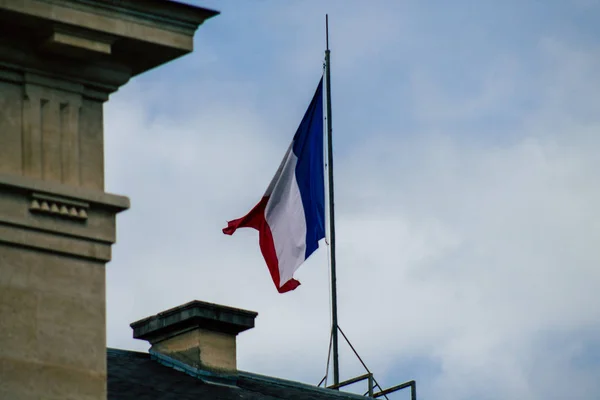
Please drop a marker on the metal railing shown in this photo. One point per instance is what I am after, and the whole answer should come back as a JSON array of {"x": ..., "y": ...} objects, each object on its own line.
[
  {"x": 382, "y": 393},
  {"x": 368, "y": 377},
  {"x": 372, "y": 382},
  {"x": 410, "y": 384}
]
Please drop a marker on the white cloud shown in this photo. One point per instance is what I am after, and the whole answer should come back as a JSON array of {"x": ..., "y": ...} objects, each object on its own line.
[{"x": 467, "y": 252}]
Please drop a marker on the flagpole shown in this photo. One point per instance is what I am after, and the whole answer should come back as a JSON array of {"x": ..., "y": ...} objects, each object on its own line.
[{"x": 334, "y": 321}]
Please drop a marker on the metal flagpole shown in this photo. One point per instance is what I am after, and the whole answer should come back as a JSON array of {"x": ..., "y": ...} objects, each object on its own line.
[
  {"x": 335, "y": 329},
  {"x": 334, "y": 321}
]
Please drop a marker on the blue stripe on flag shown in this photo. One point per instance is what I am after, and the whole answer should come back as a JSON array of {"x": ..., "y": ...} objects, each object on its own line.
[{"x": 308, "y": 147}]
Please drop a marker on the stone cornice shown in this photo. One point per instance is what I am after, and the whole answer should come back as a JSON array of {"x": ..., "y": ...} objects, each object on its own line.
[
  {"x": 131, "y": 36},
  {"x": 57, "y": 218},
  {"x": 174, "y": 15},
  {"x": 108, "y": 201},
  {"x": 165, "y": 23}
]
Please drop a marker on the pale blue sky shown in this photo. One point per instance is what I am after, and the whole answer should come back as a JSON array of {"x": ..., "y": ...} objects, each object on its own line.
[{"x": 466, "y": 141}]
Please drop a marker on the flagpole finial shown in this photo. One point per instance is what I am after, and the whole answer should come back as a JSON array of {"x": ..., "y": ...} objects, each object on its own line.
[{"x": 327, "y": 31}]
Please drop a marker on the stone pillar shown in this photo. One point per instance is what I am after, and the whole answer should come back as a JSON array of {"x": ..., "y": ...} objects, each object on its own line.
[{"x": 59, "y": 62}]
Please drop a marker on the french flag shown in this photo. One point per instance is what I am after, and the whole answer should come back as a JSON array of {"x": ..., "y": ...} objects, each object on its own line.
[{"x": 290, "y": 217}]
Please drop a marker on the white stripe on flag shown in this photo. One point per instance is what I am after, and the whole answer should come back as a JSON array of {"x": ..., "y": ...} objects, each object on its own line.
[{"x": 285, "y": 215}]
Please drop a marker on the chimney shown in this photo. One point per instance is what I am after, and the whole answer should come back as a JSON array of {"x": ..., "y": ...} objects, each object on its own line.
[{"x": 198, "y": 337}]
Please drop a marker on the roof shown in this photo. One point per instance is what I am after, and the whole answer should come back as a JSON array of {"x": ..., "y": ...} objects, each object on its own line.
[{"x": 134, "y": 375}]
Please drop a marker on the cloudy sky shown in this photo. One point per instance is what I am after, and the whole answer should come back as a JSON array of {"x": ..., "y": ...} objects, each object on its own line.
[{"x": 467, "y": 170}]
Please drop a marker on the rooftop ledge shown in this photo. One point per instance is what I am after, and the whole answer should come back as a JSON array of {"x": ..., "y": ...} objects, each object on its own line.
[
  {"x": 137, "y": 35},
  {"x": 31, "y": 185}
]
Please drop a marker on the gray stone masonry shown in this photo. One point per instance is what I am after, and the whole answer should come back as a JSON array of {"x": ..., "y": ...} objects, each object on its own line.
[{"x": 59, "y": 62}]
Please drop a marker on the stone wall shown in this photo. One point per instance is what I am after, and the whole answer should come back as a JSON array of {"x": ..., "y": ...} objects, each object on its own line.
[{"x": 59, "y": 62}]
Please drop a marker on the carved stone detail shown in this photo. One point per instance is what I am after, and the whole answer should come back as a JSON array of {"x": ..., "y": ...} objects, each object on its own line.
[
  {"x": 59, "y": 207},
  {"x": 51, "y": 134}
]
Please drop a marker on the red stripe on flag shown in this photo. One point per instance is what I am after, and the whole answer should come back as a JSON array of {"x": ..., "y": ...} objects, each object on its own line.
[{"x": 256, "y": 219}]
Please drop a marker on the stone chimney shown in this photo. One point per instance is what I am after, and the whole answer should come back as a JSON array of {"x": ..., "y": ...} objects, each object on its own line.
[{"x": 198, "y": 334}]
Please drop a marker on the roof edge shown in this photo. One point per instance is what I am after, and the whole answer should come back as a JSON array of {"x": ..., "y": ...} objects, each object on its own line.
[
  {"x": 228, "y": 380},
  {"x": 205, "y": 376},
  {"x": 295, "y": 384}
]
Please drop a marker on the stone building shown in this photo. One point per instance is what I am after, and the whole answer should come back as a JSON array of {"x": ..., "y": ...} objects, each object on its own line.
[{"x": 59, "y": 62}]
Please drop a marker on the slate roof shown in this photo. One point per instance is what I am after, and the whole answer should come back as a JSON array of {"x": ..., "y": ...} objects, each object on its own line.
[{"x": 134, "y": 375}]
